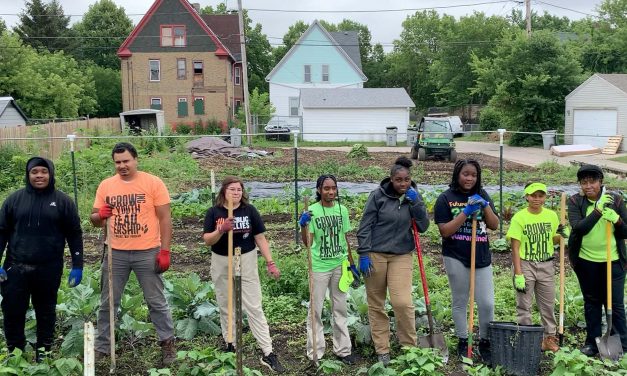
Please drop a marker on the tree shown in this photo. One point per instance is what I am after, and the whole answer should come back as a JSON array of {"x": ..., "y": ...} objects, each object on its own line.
[
  {"x": 614, "y": 12},
  {"x": 101, "y": 31},
  {"x": 108, "y": 86},
  {"x": 376, "y": 67},
  {"x": 44, "y": 26},
  {"x": 527, "y": 79},
  {"x": 259, "y": 105},
  {"x": 3, "y": 26},
  {"x": 546, "y": 21}
]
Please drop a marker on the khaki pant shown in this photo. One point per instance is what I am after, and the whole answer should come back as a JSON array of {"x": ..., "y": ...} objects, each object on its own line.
[
  {"x": 341, "y": 339},
  {"x": 540, "y": 280},
  {"x": 391, "y": 273},
  {"x": 251, "y": 297}
]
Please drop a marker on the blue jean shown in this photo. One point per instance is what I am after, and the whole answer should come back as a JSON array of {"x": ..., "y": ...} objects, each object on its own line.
[{"x": 143, "y": 264}]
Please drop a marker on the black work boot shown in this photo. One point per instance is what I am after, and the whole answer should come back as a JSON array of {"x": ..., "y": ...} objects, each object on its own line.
[
  {"x": 462, "y": 348},
  {"x": 485, "y": 351},
  {"x": 168, "y": 352},
  {"x": 41, "y": 353}
]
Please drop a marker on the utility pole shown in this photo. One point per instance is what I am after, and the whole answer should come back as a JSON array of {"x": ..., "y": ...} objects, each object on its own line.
[
  {"x": 528, "y": 15},
  {"x": 242, "y": 41}
]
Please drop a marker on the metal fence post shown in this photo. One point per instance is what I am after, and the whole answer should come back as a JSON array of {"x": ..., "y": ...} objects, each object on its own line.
[
  {"x": 295, "y": 132},
  {"x": 501, "y": 133}
]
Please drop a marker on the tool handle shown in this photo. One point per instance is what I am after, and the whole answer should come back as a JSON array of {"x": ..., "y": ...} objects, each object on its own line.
[
  {"x": 473, "y": 252},
  {"x": 110, "y": 295},
  {"x": 423, "y": 277},
  {"x": 229, "y": 277},
  {"x": 312, "y": 308},
  {"x": 608, "y": 249},
  {"x": 562, "y": 272}
]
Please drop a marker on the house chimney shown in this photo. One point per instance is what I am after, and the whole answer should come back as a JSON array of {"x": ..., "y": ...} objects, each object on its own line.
[{"x": 197, "y": 7}]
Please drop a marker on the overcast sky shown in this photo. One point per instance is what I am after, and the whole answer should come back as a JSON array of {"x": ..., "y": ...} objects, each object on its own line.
[{"x": 385, "y": 26}]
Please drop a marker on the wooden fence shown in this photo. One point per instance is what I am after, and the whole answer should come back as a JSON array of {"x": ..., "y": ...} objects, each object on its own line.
[{"x": 50, "y": 140}]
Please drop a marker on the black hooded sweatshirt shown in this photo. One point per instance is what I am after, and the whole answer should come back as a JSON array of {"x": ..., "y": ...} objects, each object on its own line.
[{"x": 36, "y": 223}]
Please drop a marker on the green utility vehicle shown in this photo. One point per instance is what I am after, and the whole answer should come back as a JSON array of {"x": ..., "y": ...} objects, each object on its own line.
[{"x": 435, "y": 139}]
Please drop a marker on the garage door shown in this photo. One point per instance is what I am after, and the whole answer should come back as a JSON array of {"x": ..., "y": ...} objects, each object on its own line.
[{"x": 590, "y": 123}]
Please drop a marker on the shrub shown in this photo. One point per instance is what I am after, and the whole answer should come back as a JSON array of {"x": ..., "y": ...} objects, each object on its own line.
[
  {"x": 198, "y": 127},
  {"x": 490, "y": 119}
]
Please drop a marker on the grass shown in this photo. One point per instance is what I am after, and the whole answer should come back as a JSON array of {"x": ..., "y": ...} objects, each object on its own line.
[{"x": 622, "y": 159}]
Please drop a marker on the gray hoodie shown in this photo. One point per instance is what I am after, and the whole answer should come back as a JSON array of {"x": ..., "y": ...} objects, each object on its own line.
[{"x": 386, "y": 222}]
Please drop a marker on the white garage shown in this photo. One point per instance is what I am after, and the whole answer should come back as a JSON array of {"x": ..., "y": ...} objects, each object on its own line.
[
  {"x": 597, "y": 110},
  {"x": 354, "y": 114}
]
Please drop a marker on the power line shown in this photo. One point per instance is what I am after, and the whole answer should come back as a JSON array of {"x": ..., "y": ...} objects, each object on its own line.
[{"x": 569, "y": 9}]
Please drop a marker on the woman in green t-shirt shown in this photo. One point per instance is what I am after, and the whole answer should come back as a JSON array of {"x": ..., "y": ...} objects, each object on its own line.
[
  {"x": 532, "y": 233},
  {"x": 588, "y": 212}
]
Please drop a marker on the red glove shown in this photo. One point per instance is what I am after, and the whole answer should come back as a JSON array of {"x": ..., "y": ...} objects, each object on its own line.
[
  {"x": 162, "y": 262},
  {"x": 226, "y": 225},
  {"x": 105, "y": 212},
  {"x": 273, "y": 270}
]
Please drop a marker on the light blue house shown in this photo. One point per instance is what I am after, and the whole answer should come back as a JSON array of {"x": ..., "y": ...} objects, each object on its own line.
[
  {"x": 11, "y": 115},
  {"x": 319, "y": 59}
]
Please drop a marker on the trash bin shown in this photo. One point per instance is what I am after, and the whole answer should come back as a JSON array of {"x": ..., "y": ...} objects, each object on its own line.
[
  {"x": 390, "y": 136},
  {"x": 548, "y": 138},
  {"x": 236, "y": 137},
  {"x": 412, "y": 136},
  {"x": 517, "y": 348}
]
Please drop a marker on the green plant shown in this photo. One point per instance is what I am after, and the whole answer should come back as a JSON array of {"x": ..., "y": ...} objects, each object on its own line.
[
  {"x": 377, "y": 369},
  {"x": 213, "y": 126},
  {"x": 207, "y": 361},
  {"x": 359, "y": 151},
  {"x": 481, "y": 369},
  {"x": 182, "y": 128},
  {"x": 499, "y": 245},
  {"x": 567, "y": 362},
  {"x": 199, "y": 128},
  {"x": 330, "y": 366},
  {"x": 416, "y": 361},
  {"x": 16, "y": 364}
]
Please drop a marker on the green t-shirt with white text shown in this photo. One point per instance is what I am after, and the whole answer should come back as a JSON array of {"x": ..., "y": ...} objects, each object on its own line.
[
  {"x": 535, "y": 233},
  {"x": 328, "y": 227},
  {"x": 593, "y": 243}
]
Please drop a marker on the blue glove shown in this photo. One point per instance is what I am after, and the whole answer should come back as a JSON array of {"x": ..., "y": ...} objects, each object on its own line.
[
  {"x": 3, "y": 275},
  {"x": 356, "y": 279},
  {"x": 76, "y": 275},
  {"x": 304, "y": 219},
  {"x": 411, "y": 195},
  {"x": 469, "y": 210},
  {"x": 365, "y": 265},
  {"x": 477, "y": 199}
]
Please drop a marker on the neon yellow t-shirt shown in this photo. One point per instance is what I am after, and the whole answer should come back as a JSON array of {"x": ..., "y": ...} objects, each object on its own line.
[
  {"x": 535, "y": 233},
  {"x": 328, "y": 227},
  {"x": 593, "y": 243}
]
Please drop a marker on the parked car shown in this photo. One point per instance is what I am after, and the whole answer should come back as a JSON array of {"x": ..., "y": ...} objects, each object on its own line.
[{"x": 277, "y": 129}]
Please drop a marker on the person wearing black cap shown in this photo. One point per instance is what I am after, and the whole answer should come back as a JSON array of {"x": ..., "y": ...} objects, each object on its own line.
[
  {"x": 35, "y": 224},
  {"x": 588, "y": 213}
]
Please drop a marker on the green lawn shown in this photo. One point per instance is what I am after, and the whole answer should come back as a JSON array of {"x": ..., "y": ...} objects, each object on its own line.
[{"x": 622, "y": 159}]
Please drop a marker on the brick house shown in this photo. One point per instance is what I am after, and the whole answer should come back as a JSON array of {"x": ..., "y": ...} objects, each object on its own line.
[{"x": 175, "y": 61}]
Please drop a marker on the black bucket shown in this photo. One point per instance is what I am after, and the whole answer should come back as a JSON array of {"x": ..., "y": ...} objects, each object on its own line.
[{"x": 517, "y": 348}]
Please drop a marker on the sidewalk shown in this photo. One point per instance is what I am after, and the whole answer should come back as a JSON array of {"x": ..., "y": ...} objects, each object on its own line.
[{"x": 529, "y": 156}]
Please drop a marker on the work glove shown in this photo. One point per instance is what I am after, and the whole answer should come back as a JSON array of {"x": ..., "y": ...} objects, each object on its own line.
[
  {"x": 610, "y": 214},
  {"x": 76, "y": 275},
  {"x": 273, "y": 270},
  {"x": 519, "y": 283},
  {"x": 603, "y": 202},
  {"x": 3, "y": 275},
  {"x": 477, "y": 199},
  {"x": 563, "y": 231},
  {"x": 304, "y": 219},
  {"x": 411, "y": 195},
  {"x": 162, "y": 262},
  {"x": 365, "y": 265},
  {"x": 105, "y": 212},
  {"x": 226, "y": 226},
  {"x": 470, "y": 209},
  {"x": 356, "y": 279}
]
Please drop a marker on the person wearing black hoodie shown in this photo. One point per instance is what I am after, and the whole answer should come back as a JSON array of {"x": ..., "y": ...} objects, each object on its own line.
[
  {"x": 35, "y": 224},
  {"x": 385, "y": 251}
]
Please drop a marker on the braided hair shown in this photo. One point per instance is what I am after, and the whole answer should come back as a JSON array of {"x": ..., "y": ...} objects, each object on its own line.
[
  {"x": 319, "y": 184},
  {"x": 458, "y": 169}
]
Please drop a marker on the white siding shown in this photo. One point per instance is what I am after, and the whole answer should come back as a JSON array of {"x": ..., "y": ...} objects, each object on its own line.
[
  {"x": 11, "y": 118},
  {"x": 280, "y": 94},
  {"x": 353, "y": 124},
  {"x": 596, "y": 94}
]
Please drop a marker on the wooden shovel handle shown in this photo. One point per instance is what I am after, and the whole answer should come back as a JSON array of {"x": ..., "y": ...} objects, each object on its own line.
[
  {"x": 312, "y": 308},
  {"x": 562, "y": 272},
  {"x": 110, "y": 294},
  {"x": 229, "y": 277},
  {"x": 473, "y": 253},
  {"x": 608, "y": 251}
]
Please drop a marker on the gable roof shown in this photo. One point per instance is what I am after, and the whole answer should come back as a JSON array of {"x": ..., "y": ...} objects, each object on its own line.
[
  {"x": 617, "y": 80},
  {"x": 349, "y": 42},
  {"x": 123, "y": 51},
  {"x": 6, "y": 101},
  {"x": 355, "y": 98},
  {"x": 226, "y": 28},
  {"x": 334, "y": 43}
]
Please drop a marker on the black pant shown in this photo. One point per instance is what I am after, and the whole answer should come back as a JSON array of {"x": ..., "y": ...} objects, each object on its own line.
[
  {"x": 592, "y": 277},
  {"x": 39, "y": 282}
]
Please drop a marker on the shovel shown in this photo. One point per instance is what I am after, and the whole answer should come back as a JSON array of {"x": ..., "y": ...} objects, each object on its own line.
[
  {"x": 562, "y": 246},
  {"x": 432, "y": 340},
  {"x": 609, "y": 346},
  {"x": 312, "y": 308},
  {"x": 473, "y": 253},
  {"x": 111, "y": 302}
]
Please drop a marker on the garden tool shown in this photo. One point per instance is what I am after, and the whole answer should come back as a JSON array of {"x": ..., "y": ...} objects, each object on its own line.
[
  {"x": 111, "y": 303},
  {"x": 473, "y": 252},
  {"x": 560, "y": 330},
  {"x": 238, "y": 312},
  {"x": 432, "y": 340},
  {"x": 609, "y": 346},
  {"x": 229, "y": 278},
  {"x": 312, "y": 308}
]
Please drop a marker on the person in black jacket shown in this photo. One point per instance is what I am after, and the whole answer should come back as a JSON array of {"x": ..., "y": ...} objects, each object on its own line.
[
  {"x": 588, "y": 212},
  {"x": 35, "y": 223}
]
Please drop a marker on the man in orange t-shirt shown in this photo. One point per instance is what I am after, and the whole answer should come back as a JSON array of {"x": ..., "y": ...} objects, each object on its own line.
[{"x": 137, "y": 207}]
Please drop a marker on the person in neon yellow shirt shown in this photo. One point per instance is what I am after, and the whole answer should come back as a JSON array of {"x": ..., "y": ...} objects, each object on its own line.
[{"x": 532, "y": 233}]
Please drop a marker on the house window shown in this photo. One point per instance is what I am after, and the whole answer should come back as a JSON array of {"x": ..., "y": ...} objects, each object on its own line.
[
  {"x": 182, "y": 107},
  {"x": 237, "y": 75},
  {"x": 181, "y": 70},
  {"x": 173, "y": 36},
  {"x": 155, "y": 103},
  {"x": 307, "y": 73},
  {"x": 197, "y": 67},
  {"x": 325, "y": 73},
  {"x": 293, "y": 106},
  {"x": 199, "y": 105},
  {"x": 238, "y": 104},
  {"x": 199, "y": 79},
  {"x": 155, "y": 70}
]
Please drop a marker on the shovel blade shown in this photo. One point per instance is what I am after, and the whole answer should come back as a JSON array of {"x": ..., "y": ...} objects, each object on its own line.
[
  {"x": 435, "y": 341},
  {"x": 610, "y": 347}
]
